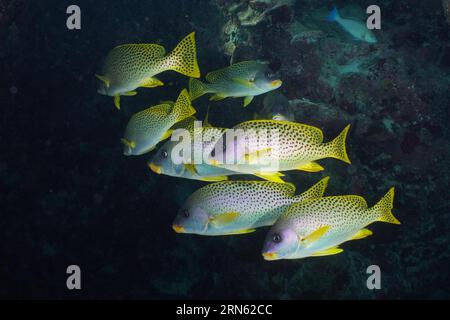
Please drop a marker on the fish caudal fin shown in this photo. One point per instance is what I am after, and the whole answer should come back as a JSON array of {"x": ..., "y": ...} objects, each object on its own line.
[
  {"x": 183, "y": 108},
  {"x": 316, "y": 191},
  {"x": 183, "y": 58},
  {"x": 334, "y": 15},
  {"x": 383, "y": 208},
  {"x": 337, "y": 148},
  {"x": 196, "y": 88}
]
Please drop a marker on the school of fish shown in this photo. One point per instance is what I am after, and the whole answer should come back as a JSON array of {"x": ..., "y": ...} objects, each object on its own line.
[{"x": 309, "y": 224}]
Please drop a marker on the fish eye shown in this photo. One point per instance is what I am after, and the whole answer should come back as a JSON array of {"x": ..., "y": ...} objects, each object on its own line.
[
  {"x": 213, "y": 152},
  {"x": 185, "y": 213},
  {"x": 164, "y": 154},
  {"x": 276, "y": 238}
]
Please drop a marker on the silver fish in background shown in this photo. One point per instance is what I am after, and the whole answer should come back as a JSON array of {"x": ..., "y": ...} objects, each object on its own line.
[
  {"x": 237, "y": 207},
  {"x": 317, "y": 227},
  {"x": 356, "y": 28},
  {"x": 243, "y": 79},
  {"x": 276, "y": 107}
]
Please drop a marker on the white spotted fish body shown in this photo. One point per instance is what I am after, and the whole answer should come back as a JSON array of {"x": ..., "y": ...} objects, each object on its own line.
[
  {"x": 150, "y": 126},
  {"x": 131, "y": 66},
  {"x": 317, "y": 227},
  {"x": 295, "y": 146},
  {"x": 236, "y": 207}
]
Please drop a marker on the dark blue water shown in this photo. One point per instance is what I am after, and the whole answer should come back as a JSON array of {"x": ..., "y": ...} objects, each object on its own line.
[{"x": 69, "y": 196}]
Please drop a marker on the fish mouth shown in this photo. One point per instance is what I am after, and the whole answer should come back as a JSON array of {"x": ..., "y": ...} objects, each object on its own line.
[
  {"x": 270, "y": 256},
  {"x": 276, "y": 83},
  {"x": 155, "y": 168},
  {"x": 177, "y": 228}
]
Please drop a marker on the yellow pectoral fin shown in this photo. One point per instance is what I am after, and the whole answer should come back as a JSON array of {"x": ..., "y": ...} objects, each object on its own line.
[
  {"x": 271, "y": 176},
  {"x": 362, "y": 234},
  {"x": 311, "y": 167},
  {"x": 104, "y": 79},
  {"x": 327, "y": 252},
  {"x": 217, "y": 97},
  {"x": 253, "y": 156},
  {"x": 214, "y": 179},
  {"x": 244, "y": 82},
  {"x": 247, "y": 100},
  {"x": 129, "y": 93},
  {"x": 166, "y": 134},
  {"x": 128, "y": 143},
  {"x": 151, "y": 83},
  {"x": 117, "y": 102},
  {"x": 191, "y": 168},
  {"x": 240, "y": 232},
  {"x": 316, "y": 235},
  {"x": 224, "y": 218}
]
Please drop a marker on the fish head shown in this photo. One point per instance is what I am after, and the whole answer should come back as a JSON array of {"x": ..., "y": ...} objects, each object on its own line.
[
  {"x": 280, "y": 243},
  {"x": 161, "y": 162},
  {"x": 191, "y": 218},
  {"x": 266, "y": 80}
]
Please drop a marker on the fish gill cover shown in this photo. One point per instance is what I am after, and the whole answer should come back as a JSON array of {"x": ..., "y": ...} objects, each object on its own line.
[{"x": 70, "y": 196}]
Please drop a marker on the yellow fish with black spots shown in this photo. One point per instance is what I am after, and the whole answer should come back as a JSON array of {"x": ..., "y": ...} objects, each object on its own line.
[
  {"x": 269, "y": 146},
  {"x": 317, "y": 227},
  {"x": 130, "y": 66},
  {"x": 152, "y": 125},
  {"x": 243, "y": 79},
  {"x": 237, "y": 207}
]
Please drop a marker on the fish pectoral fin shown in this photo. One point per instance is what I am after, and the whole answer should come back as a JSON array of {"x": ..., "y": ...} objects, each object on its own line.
[
  {"x": 128, "y": 143},
  {"x": 214, "y": 179},
  {"x": 255, "y": 155},
  {"x": 311, "y": 167},
  {"x": 315, "y": 235},
  {"x": 166, "y": 134},
  {"x": 271, "y": 176},
  {"x": 224, "y": 218},
  {"x": 362, "y": 234},
  {"x": 217, "y": 97},
  {"x": 104, "y": 79},
  {"x": 244, "y": 82},
  {"x": 247, "y": 100},
  {"x": 240, "y": 232},
  {"x": 151, "y": 83},
  {"x": 117, "y": 101},
  {"x": 129, "y": 93},
  {"x": 191, "y": 168},
  {"x": 327, "y": 252}
]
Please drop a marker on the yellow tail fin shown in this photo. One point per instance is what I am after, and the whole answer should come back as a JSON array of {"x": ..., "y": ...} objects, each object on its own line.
[
  {"x": 196, "y": 88},
  {"x": 337, "y": 148},
  {"x": 316, "y": 191},
  {"x": 383, "y": 208},
  {"x": 183, "y": 108},
  {"x": 183, "y": 58}
]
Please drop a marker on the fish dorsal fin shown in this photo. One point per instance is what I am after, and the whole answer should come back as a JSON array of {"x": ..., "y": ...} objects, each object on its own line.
[
  {"x": 149, "y": 50},
  {"x": 224, "y": 218},
  {"x": 356, "y": 200},
  {"x": 245, "y": 231},
  {"x": 239, "y": 69},
  {"x": 315, "y": 235}
]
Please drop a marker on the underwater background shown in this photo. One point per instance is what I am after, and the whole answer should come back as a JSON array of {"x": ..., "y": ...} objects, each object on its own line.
[{"x": 69, "y": 196}]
